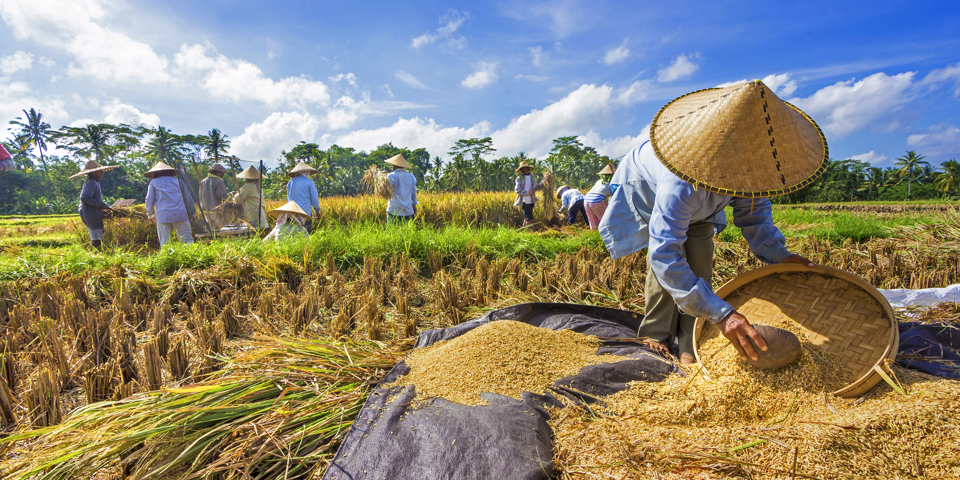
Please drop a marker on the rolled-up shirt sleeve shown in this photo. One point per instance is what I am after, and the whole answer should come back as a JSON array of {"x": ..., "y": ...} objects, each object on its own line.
[
  {"x": 669, "y": 222},
  {"x": 756, "y": 222},
  {"x": 151, "y": 201}
]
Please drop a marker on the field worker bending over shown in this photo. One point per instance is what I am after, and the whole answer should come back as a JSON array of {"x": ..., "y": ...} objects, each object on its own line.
[
  {"x": 251, "y": 198},
  {"x": 91, "y": 205},
  {"x": 168, "y": 203},
  {"x": 302, "y": 190},
  {"x": 526, "y": 188},
  {"x": 403, "y": 204},
  {"x": 595, "y": 202},
  {"x": 571, "y": 200},
  {"x": 213, "y": 191},
  {"x": 709, "y": 149},
  {"x": 290, "y": 222}
]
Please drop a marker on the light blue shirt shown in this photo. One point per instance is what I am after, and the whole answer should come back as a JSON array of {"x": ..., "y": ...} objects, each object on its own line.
[
  {"x": 303, "y": 191},
  {"x": 168, "y": 201},
  {"x": 651, "y": 207},
  {"x": 569, "y": 197},
  {"x": 404, "y": 193}
]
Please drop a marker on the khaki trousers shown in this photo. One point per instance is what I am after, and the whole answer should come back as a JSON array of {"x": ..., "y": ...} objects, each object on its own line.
[{"x": 662, "y": 320}]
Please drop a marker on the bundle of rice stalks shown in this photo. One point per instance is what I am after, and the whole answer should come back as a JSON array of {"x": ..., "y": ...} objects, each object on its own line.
[
  {"x": 548, "y": 186},
  {"x": 278, "y": 411},
  {"x": 137, "y": 211},
  {"x": 229, "y": 213},
  {"x": 375, "y": 181}
]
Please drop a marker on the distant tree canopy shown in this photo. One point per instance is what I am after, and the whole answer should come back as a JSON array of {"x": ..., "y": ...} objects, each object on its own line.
[{"x": 40, "y": 184}]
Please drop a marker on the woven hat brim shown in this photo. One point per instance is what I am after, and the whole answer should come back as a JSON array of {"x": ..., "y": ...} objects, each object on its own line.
[
  {"x": 522, "y": 166},
  {"x": 159, "y": 167},
  {"x": 764, "y": 168},
  {"x": 289, "y": 207},
  {"x": 398, "y": 160},
  {"x": 301, "y": 168},
  {"x": 608, "y": 170},
  {"x": 105, "y": 168},
  {"x": 249, "y": 173}
]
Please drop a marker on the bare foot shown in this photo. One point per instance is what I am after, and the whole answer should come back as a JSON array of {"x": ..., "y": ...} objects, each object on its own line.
[
  {"x": 687, "y": 359},
  {"x": 658, "y": 347}
]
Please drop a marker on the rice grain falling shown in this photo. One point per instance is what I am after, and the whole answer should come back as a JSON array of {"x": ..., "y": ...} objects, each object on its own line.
[{"x": 503, "y": 357}]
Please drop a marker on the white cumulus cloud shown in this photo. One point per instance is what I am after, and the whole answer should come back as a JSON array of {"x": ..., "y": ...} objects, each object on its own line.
[
  {"x": 871, "y": 157},
  {"x": 949, "y": 74},
  {"x": 20, "y": 60},
  {"x": 73, "y": 26},
  {"x": 615, "y": 147},
  {"x": 411, "y": 133},
  {"x": 617, "y": 55},
  {"x": 939, "y": 140},
  {"x": 485, "y": 74},
  {"x": 681, "y": 67},
  {"x": 281, "y": 130},
  {"x": 781, "y": 84},
  {"x": 117, "y": 112},
  {"x": 15, "y": 97}
]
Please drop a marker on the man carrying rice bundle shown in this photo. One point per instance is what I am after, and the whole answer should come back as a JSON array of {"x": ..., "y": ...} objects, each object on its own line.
[
  {"x": 213, "y": 192},
  {"x": 91, "y": 205},
  {"x": 402, "y": 205},
  {"x": 526, "y": 188},
  {"x": 303, "y": 191},
  {"x": 169, "y": 203},
  {"x": 709, "y": 149}
]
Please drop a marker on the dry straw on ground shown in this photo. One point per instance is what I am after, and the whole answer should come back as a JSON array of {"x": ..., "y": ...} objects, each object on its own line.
[{"x": 502, "y": 357}]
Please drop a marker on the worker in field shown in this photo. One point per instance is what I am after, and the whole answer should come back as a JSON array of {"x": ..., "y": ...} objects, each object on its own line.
[
  {"x": 251, "y": 198},
  {"x": 595, "y": 201},
  {"x": 402, "y": 206},
  {"x": 169, "y": 203},
  {"x": 526, "y": 186},
  {"x": 91, "y": 205},
  {"x": 303, "y": 191},
  {"x": 213, "y": 192},
  {"x": 733, "y": 146},
  {"x": 571, "y": 200},
  {"x": 291, "y": 222}
]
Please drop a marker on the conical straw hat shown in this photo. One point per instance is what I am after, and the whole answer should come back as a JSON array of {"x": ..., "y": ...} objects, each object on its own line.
[
  {"x": 250, "y": 173},
  {"x": 523, "y": 164},
  {"x": 562, "y": 189},
  {"x": 93, "y": 166},
  {"x": 159, "y": 167},
  {"x": 608, "y": 170},
  {"x": 302, "y": 167},
  {"x": 398, "y": 160},
  {"x": 289, "y": 207},
  {"x": 741, "y": 141}
]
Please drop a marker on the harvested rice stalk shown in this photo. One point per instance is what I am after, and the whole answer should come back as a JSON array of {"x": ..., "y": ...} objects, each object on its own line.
[
  {"x": 503, "y": 357},
  {"x": 548, "y": 186},
  {"x": 278, "y": 411},
  {"x": 375, "y": 181}
]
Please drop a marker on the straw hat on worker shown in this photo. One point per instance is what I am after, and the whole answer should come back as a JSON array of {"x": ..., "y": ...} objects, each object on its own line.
[
  {"x": 398, "y": 161},
  {"x": 522, "y": 165},
  {"x": 158, "y": 168},
  {"x": 608, "y": 170},
  {"x": 290, "y": 222},
  {"x": 92, "y": 167},
  {"x": 251, "y": 173},
  {"x": 733, "y": 146},
  {"x": 301, "y": 169}
]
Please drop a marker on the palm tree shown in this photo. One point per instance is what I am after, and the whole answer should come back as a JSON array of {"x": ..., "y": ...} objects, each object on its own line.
[
  {"x": 909, "y": 164},
  {"x": 164, "y": 146},
  {"x": 34, "y": 132},
  {"x": 949, "y": 179},
  {"x": 217, "y": 144},
  {"x": 92, "y": 140}
]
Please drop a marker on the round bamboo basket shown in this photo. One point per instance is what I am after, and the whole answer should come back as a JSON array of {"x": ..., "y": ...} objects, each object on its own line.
[{"x": 836, "y": 310}]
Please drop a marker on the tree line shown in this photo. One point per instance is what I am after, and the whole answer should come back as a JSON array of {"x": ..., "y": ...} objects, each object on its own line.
[{"x": 40, "y": 184}]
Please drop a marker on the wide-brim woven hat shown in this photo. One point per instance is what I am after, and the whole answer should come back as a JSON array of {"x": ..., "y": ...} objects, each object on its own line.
[
  {"x": 289, "y": 208},
  {"x": 250, "y": 173},
  {"x": 523, "y": 165},
  {"x": 742, "y": 141},
  {"x": 838, "y": 312},
  {"x": 608, "y": 170},
  {"x": 217, "y": 168},
  {"x": 561, "y": 190},
  {"x": 398, "y": 160},
  {"x": 93, "y": 166},
  {"x": 159, "y": 167},
  {"x": 302, "y": 167}
]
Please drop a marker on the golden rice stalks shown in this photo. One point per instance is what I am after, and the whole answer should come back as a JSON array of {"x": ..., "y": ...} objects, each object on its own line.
[
  {"x": 375, "y": 181},
  {"x": 548, "y": 186}
]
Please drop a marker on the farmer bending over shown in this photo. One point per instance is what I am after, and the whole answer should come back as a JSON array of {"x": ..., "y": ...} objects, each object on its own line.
[
  {"x": 709, "y": 149},
  {"x": 572, "y": 201}
]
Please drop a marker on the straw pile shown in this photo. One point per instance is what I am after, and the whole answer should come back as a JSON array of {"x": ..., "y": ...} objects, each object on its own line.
[
  {"x": 502, "y": 357},
  {"x": 375, "y": 181},
  {"x": 778, "y": 424}
]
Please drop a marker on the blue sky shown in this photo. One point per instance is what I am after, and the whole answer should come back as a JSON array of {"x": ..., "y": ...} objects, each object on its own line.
[{"x": 880, "y": 77}]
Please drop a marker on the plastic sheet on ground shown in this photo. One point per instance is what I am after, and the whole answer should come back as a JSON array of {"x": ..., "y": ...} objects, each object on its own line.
[
  {"x": 507, "y": 439},
  {"x": 932, "y": 348},
  {"x": 927, "y": 297}
]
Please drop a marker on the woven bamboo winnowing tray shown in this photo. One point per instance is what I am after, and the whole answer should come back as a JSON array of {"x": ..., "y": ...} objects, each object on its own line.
[{"x": 839, "y": 311}]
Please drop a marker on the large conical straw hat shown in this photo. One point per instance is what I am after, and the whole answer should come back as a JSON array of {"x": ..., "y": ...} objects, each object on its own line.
[
  {"x": 522, "y": 165},
  {"x": 608, "y": 170},
  {"x": 250, "y": 173},
  {"x": 93, "y": 166},
  {"x": 159, "y": 167},
  {"x": 302, "y": 167},
  {"x": 741, "y": 141},
  {"x": 290, "y": 207},
  {"x": 398, "y": 160}
]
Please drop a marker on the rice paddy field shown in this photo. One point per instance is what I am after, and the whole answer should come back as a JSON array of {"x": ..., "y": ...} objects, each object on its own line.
[{"x": 231, "y": 358}]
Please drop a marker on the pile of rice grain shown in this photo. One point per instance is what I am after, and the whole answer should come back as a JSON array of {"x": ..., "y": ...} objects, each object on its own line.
[{"x": 503, "y": 357}]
